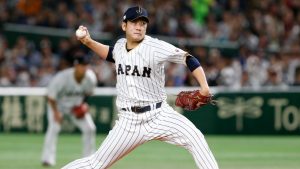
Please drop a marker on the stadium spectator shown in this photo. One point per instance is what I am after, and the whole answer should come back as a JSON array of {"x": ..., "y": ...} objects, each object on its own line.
[
  {"x": 259, "y": 28},
  {"x": 297, "y": 77}
]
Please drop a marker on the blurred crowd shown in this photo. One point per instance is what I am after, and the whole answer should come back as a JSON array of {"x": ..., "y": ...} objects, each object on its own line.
[{"x": 267, "y": 33}]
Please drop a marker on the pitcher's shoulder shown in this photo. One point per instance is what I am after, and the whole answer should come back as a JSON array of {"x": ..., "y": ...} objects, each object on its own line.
[
  {"x": 121, "y": 41},
  {"x": 155, "y": 42},
  {"x": 152, "y": 40}
]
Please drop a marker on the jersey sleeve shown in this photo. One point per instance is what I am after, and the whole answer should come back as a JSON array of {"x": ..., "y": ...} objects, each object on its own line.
[
  {"x": 168, "y": 52},
  {"x": 55, "y": 86}
]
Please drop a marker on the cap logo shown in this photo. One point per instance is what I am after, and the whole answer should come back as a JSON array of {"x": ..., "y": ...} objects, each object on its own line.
[{"x": 139, "y": 11}]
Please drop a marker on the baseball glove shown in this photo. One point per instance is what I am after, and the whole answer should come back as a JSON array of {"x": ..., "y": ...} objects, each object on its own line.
[
  {"x": 193, "y": 100},
  {"x": 80, "y": 110}
]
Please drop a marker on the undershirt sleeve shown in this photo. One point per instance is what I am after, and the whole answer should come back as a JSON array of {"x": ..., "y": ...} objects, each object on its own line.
[{"x": 109, "y": 57}]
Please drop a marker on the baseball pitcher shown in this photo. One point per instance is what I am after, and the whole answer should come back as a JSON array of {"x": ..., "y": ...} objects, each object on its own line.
[
  {"x": 144, "y": 114},
  {"x": 66, "y": 96}
]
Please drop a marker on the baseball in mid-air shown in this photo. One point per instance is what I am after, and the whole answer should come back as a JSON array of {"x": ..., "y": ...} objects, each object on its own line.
[{"x": 80, "y": 33}]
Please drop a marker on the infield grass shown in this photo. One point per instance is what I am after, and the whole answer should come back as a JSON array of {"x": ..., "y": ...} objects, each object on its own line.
[{"x": 23, "y": 151}]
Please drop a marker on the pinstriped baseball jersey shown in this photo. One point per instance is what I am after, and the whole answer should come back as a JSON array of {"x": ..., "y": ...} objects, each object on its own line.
[
  {"x": 140, "y": 72},
  {"x": 144, "y": 114}
]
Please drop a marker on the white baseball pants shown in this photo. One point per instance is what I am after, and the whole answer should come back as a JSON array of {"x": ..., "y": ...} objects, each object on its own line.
[
  {"x": 132, "y": 130},
  {"x": 85, "y": 125}
]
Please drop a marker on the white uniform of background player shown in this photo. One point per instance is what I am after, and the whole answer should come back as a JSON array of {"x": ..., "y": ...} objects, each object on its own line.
[
  {"x": 64, "y": 91},
  {"x": 144, "y": 114}
]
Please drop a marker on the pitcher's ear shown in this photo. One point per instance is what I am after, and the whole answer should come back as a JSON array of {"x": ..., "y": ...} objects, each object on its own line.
[{"x": 124, "y": 24}]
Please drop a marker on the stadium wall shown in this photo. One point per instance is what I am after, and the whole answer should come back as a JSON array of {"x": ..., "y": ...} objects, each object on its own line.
[{"x": 273, "y": 111}]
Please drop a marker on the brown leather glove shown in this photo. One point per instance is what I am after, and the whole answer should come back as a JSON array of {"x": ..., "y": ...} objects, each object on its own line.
[{"x": 193, "y": 100}]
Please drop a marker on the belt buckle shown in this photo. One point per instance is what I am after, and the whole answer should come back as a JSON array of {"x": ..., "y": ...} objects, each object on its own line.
[{"x": 134, "y": 109}]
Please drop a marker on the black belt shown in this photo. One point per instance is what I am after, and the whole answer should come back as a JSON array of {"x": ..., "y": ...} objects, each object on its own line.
[{"x": 138, "y": 109}]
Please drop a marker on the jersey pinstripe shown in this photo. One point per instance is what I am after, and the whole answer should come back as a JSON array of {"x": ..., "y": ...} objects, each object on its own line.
[{"x": 140, "y": 72}]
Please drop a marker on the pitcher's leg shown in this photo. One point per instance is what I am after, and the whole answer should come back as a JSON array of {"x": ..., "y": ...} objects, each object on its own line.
[
  {"x": 117, "y": 144},
  {"x": 183, "y": 132},
  {"x": 88, "y": 129}
]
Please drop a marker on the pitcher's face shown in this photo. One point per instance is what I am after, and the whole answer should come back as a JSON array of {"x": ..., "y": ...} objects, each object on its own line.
[{"x": 135, "y": 30}]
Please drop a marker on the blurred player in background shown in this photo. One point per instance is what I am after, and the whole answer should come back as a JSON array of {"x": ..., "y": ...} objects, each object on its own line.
[
  {"x": 144, "y": 114},
  {"x": 67, "y": 94}
]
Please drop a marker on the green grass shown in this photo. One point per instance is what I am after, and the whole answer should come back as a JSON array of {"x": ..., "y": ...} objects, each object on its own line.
[{"x": 22, "y": 151}]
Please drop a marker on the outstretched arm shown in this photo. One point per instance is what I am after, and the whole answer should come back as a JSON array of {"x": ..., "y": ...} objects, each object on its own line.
[
  {"x": 193, "y": 100},
  {"x": 99, "y": 48},
  {"x": 198, "y": 72}
]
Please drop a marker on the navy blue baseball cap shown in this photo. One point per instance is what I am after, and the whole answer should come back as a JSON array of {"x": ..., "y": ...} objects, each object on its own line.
[{"x": 134, "y": 13}]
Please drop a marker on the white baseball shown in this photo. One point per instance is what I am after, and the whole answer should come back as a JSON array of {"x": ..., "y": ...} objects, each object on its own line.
[{"x": 80, "y": 33}]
